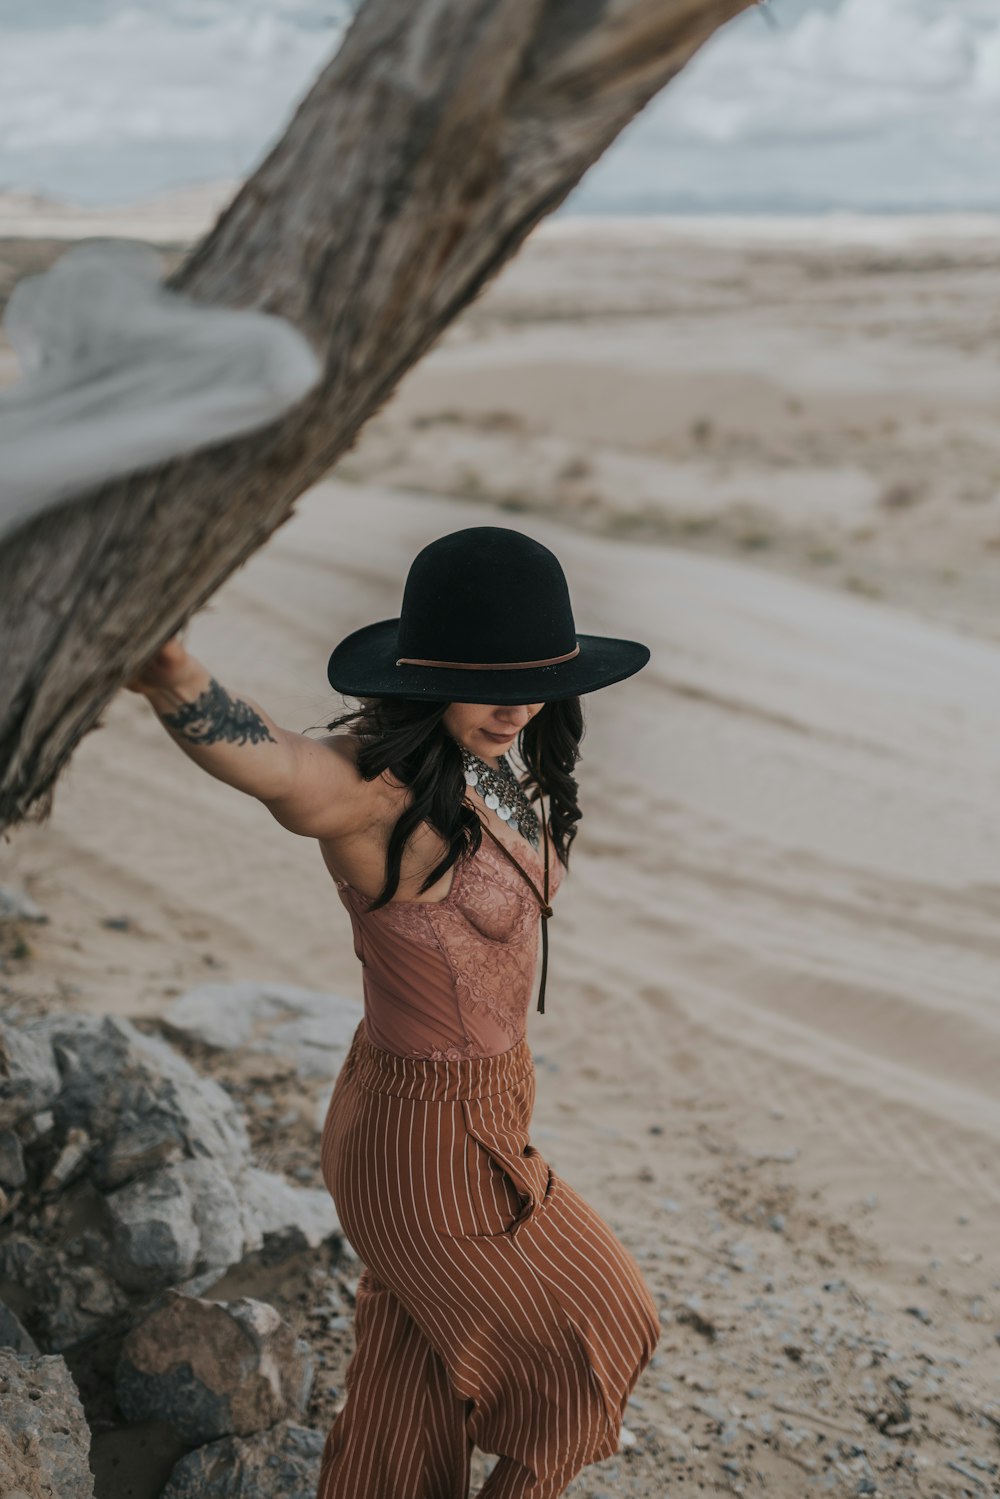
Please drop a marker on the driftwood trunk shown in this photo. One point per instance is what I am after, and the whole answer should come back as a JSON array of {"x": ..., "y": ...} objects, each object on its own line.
[{"x": 435, "y": 140}]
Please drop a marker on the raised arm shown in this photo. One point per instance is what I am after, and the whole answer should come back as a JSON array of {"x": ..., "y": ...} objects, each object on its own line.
[{"x": 305, "y": 783}]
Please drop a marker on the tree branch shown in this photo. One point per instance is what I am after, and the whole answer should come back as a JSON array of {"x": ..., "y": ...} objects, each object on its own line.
[{"x": 436, "y": 139}]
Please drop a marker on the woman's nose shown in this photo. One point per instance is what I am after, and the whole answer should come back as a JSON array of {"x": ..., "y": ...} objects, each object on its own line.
[{"x": 515, "y": 717}]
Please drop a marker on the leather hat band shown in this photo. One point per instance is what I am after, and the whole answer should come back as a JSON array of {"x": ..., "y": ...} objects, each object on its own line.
[{"x": 490, "y": 665}]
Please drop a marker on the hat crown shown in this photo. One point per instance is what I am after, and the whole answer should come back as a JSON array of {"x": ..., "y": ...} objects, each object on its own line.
[{"x": 486, "y": 594}]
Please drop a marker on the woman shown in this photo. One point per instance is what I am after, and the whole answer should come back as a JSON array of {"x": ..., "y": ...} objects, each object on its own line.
[{"x": 496, "y": 1308}]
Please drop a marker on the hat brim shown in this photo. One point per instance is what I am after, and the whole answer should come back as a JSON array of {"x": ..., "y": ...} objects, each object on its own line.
[{"x": 364, "y": 665}]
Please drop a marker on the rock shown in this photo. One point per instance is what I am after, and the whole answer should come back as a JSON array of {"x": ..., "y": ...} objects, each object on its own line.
[
  {"x": 213, "y": 1369},
  {"x": 17, "y": 905},
  {"x": 284, "y": 1461},
  {"x": 44, "y": 1439},
  {"x": 218, "y": 1214},
  {"x": 34, "y": 1127},
  {"x": 133, "y": 1152},
  {"x": 77, "y": 1300},
  {"x": 12, "y": 1172},
  {"x": 69, "y": 1162},
  {"x": 68, "y": 1301},
  {"x": 115, "y": 1080},
  {"x": 29, "y": 1077},
  {"x": 13, "y": 1335},
  {"x": 282, "y": 1219},
  {"x": 155, "y": 1239},
  {"x": 21, "y": 1261},
  {"x": 312, "y": 1028}
]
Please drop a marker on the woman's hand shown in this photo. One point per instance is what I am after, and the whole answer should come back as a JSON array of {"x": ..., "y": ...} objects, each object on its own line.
[{"x": 166, "y": 669}]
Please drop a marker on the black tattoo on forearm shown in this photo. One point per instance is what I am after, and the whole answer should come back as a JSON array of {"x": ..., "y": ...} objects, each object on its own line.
[{"x": 215, "y": 715}]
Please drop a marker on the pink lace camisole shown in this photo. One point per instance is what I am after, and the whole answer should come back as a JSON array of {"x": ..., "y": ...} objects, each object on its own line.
[{"x": 453, "y": 978}]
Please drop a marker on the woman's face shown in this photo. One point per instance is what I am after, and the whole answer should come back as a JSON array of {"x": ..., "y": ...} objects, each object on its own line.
[{"x": 488, "y": 730}]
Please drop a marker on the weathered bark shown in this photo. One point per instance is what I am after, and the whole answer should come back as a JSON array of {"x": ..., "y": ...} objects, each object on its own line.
[{"x": 439, "y": 135}]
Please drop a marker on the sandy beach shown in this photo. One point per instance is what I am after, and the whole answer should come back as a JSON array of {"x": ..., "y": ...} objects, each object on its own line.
[{"x": 770, "y": 1054}]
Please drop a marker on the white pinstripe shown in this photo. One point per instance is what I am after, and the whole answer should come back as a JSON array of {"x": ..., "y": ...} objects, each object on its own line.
[{"x": 539, "y": 1318}]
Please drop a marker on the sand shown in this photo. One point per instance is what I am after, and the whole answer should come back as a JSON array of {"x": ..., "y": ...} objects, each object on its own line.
[{"x": 771, "y": 1048}]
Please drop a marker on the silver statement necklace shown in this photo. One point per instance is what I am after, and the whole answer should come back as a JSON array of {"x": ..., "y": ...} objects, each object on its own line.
[{"x": 503, "y": 793}]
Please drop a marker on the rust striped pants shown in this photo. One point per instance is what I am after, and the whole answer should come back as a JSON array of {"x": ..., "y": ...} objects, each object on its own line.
[{"x": 496, "y": 1309}]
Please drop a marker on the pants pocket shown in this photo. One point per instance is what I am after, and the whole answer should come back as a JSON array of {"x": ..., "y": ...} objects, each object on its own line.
[{"x": 508, "y": 1176}]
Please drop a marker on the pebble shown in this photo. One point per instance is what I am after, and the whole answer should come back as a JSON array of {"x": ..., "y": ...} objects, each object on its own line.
[
  {"x": 17, "y": 905},
  {"x": 919, "y": 1313},
  {"x": 72, "y": 1156},
  {"x": 677, "y": 1442}
]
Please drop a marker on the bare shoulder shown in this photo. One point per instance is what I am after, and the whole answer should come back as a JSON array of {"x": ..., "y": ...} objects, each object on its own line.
[{"x": 327, "y": 797}]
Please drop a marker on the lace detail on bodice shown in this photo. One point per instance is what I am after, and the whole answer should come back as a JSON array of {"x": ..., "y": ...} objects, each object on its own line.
[
  {"x": 486, "y": 927},
  {"x": 490, "y": 939}
]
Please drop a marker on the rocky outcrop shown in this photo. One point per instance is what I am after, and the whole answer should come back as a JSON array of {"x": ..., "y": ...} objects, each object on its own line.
[
  {"x": 133, "y": 1173},
  {"x": 44, "y": 1440},
  {"x": 127, "y": 1189},
  {"x": 213, "y": 1369},
  {"x": 122, "y": 1086},
  {"x": 282, "y": 1219},
  {"x": 309, "y": 1027},
  {"x": 284, "y": 1460}
]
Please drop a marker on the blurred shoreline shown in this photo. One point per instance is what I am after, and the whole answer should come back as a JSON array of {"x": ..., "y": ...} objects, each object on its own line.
[{"x": 181, "y": 214}]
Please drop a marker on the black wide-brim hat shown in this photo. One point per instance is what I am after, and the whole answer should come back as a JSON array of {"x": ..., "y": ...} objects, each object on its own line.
[{"x": 486, "y": 618}]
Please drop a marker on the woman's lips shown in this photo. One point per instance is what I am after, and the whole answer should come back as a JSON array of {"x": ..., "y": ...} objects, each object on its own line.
[{"x": 500, "y": 738}]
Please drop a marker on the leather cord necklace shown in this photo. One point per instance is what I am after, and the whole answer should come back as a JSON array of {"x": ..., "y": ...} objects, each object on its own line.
[{"x": 543, "y": 900}]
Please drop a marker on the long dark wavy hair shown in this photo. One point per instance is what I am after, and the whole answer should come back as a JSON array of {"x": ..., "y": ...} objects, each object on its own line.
[{"x": 407, "y": 737}]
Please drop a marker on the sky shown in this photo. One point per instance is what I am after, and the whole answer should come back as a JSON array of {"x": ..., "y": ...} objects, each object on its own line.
[{"x": 802, "y": 106}]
